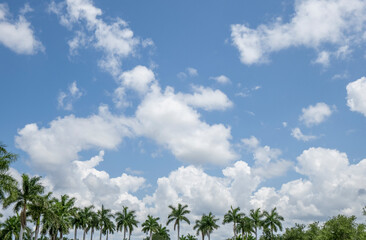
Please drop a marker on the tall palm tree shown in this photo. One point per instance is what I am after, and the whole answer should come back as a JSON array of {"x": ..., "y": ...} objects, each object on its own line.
[
  {"x": 10, "y": 228},
  {"x": 7, "y": 183},
  {"x": 93, "y": 224},
  {"x": 273, "y": 221},
  {"x": 256, "y": 217},
  {"x": 177, "y": 215},
  {"x": 104, "y": 216},
  {"x": 76, "y": 221},
  {"x": 210, "y": 224},
  {"x": 132, "y": 222},
  {"x": 30, "y": 189},
  {"x": 233, "y": 215},
  {"x": 37, "y": 209},
  {"x": 108, "y": 227},
  {"x": 245, "y": 224},
  {"x": 150, "y": 225},
  {"x": 200, "y": 227},
  {"x": 64, "y": 208},
  {"x": 85, "y": 217},
  {"x": 126, "y": 220},
  {"x": 162, "y": 232}
]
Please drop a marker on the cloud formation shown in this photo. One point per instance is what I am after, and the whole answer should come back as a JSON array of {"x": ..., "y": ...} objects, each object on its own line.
[
  {"x": 356, "y": 95},
  {"x": 296, "y": 133},
  {"x": 314, "y": 115},
  {"x": 317, "y": 24},
  {"x": 18, "y": 35}
]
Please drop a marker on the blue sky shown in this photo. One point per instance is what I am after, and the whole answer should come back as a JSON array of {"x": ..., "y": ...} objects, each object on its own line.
[{"x": 152, "y": 103}]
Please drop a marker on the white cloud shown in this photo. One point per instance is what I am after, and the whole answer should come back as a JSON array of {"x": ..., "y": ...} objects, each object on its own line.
[
  {"x": 115, "y": 40},
  {"x": 192, "y": 72},
  {"x": 356, "y": 95},
  {"x": 314, "y": 115},
  {"x": 206, "y": 98},
  {"x": 66, "y": 100},
  {"x": 267, "y": 162},
  {"x": 221, "y": 79},
  {"x": 314, "y": 24},
  {"x": 138, "y": 79},
  {"x": 167, "y": 118},
  {"x": 18, "y": 35},
  {"x": 323, "y": 58},
  {"x": 296, "y": 133}
]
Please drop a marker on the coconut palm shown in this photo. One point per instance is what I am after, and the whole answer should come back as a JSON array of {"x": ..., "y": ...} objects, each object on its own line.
[
  {"x": 177, "y": 215},
  {"x": 150, "y": 225},
  {"x": 10, "y": 228},
  {"x": 273, "y": 221},
  {"x": 233, "y": 215},
  {"x": 210, "y": 224},
  {"x": 76, "y": 221},
  {"x": 104, "y": 216},
  {"x": 37, "y": 209},
  {"x": 200, "y": 227},
  {"x": 162, "y": 232},
  {"x": 64, "y": 208},
  {"x": 30, "y": 189},
  {"x": 93, "y": 224},
  {"x": 126, "y": 220},
  {"x": 256, "y": 217},
  {"x": 108, "y": 227},
  {"x": 85, "y": 216},
  {"x": 7, "y": 183},
  {"x": 245, "y": 225},
  {"x": 132, "y": 222}
]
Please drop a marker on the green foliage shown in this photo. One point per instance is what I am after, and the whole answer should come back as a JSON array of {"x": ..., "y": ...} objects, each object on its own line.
[
  {"x": 8, "y": 184},
  {"x": 340, "y": 227}
]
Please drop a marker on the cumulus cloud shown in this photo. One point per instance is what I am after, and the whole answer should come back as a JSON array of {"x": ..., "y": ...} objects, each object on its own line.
[
  {"x": 314, "y": 115},
  {"x": 66, "y": 99},
  {"x": 206, "y": 98},
  {"x": 356, "y": 97},
  {"x": 18, "y": 35},
  {"x": 191, "y": 72},
  {"x": 267, "y": 162},
  {"x": 221, "y": 79},
  {"x": 115, "y": 40},
  {"x": 296, "y": 133},
  {"x": 314, "y": 24}
]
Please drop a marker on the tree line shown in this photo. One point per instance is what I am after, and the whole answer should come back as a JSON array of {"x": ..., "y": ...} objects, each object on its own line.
[{"x": 53, "y": 218}]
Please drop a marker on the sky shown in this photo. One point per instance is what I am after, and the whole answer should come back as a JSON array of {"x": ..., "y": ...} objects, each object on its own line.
[{"x": 256, "y": 104}]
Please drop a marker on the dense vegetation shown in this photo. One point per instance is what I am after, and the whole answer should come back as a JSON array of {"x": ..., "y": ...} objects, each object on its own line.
[{"x": 53, "y": 218}]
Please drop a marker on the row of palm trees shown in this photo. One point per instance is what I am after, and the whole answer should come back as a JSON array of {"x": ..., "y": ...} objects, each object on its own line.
[{"x": 56, "y": 216}]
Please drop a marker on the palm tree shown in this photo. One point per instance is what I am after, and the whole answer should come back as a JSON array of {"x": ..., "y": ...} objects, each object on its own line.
[
  {"x": 200, "y": 227},
  {"x": 162, "y": 232},
  {"x": 104, "y": 216},
  {"x": 108, "y": 227},
  {"x": 7, "y": 183},
  {"x": 245, "y": 224},
  {"x": 177, "y": 215},
  {"x": 132, "y": 222},
  {"x": 273, "y": 221},
  {"x": 85, "y": 217},
  {"x": 126, "y": 220},
  {"x": 93, "y": 224},
  {"x": 76, "y": 221},
  {"x": 233, "y": 215},
  {"x": 37, "y": 209},
  {"x": 30, "y": 189},
  {"x": 210, "y": 224},
  {"x": 256, "y": 217},
  {"x": 10, "y": 228},
  {"x": 150, "y": 225},
  {"x": 64, "y": 208}
]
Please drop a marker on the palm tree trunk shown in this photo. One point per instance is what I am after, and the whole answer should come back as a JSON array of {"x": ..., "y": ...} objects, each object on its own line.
[
  {"x": 203, "y": 236},
  {"x": 37, "y": 230},
  {"x": 178, "y": 231},
  {"x": 100, "y": 235},
  {"x": 75, "y": 232},
  {"x": 208, "y": 236},
  {"x": 234, "y": 229},
  {"x": 61, "y": 235},
  {"x": 91, "y": 234},
  {"x": 124, "y": 233},
  {"x": 107, "y": 235},
  {"x": 84, "y": 234},
  {"x": 21, "y": 232},
  {"x": 150, "y": 235},
  {"x": 129, "y": 235}
]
